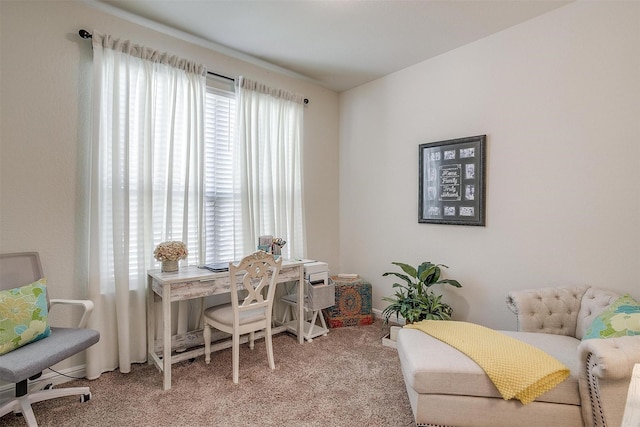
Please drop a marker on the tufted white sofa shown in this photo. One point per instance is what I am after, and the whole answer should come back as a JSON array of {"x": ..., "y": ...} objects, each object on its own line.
[{"x": 446, "y": 388}]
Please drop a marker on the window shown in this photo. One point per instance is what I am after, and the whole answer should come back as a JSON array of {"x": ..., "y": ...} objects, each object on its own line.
[{"x": 220, "y": 224}]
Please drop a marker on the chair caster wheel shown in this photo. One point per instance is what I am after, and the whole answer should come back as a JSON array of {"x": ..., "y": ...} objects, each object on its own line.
[
  {"x": 48, "y": 386},
  {"x": 85, "y": 398}
]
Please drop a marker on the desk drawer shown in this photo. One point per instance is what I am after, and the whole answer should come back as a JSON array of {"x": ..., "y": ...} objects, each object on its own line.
[
  {"x": 194, "y": 289},
  {"x": 219, "y": 285},
  {"x": 292, "y": 274}
]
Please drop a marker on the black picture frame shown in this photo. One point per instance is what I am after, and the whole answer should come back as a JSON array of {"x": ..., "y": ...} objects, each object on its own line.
[{"x": 451, "y": 186}]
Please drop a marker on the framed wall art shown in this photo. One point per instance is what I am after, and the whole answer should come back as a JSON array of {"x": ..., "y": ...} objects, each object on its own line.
[{"x": 451, "y": 183}]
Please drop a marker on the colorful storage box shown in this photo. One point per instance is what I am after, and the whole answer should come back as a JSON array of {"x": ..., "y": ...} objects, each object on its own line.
[{"x": 353, "y": 303}]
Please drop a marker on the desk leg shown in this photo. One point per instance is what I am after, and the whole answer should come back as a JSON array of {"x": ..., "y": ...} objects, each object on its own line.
[
  {"x": 151, "y": 322},
  {"x": 301, "y": 305},
  {"x": 166, "y": 336}
]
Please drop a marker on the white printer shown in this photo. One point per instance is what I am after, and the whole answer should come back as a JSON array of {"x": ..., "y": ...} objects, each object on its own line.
[{"x": 316, "y": 272}]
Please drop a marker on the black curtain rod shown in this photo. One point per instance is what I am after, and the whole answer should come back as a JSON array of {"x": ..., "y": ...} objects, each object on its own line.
[
  {"x": 87, "y": 35},
  {"x": 211, "y": 73}
]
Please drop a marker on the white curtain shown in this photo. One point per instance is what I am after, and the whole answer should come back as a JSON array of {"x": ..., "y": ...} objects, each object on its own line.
[
  {"x": 269, "y": 166},
  {"x": 146, "y": 186}
]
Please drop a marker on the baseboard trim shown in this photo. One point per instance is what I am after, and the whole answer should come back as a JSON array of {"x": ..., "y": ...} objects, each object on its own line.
[{"x": 392, "y": 320}]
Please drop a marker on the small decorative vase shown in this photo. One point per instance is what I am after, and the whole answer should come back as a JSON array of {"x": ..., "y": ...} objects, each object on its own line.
[{"x": 168, "y": 266}]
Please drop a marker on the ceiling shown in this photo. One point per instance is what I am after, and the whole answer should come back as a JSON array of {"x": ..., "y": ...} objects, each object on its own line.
[{"x": 338, "y": 44}]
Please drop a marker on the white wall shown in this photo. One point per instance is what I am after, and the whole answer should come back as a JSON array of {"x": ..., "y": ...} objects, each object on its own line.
[{"x": 559, "y": 100}]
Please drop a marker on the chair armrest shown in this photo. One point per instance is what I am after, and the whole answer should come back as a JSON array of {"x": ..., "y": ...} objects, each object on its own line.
[
  {"x": 86, "y": 304},
  {"x": 606, "y": 366},
  {"x": 547, "y": 310}
]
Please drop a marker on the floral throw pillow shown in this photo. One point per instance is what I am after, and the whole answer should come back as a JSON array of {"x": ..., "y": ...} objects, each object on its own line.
[
  {"x": 23, "y": 315},
  {"x": 621, "y": 318}
]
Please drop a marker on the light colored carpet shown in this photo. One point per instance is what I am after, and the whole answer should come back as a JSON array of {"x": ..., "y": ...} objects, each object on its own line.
[{"x": 344, "y": 379}]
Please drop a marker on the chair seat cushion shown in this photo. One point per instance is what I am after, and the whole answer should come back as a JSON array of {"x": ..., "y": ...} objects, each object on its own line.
[
  {"x": 433, "y": 367},
  {"x": 35, "y": 357},
  {"x": 224, "y": 314}
]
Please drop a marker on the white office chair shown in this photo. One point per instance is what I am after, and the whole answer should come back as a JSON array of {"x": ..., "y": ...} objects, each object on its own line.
[
  {"x": 27, "y": 362},
  {"x": 253, "y": 314}
]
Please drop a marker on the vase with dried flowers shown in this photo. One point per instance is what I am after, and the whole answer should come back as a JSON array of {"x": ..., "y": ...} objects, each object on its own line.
[{"x": 169, "y": 253}]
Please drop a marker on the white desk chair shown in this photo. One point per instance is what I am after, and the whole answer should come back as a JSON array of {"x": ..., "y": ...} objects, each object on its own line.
[{"x": 253, "y": 314}]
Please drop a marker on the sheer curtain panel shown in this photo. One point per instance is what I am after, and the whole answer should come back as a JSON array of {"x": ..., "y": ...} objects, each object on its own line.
[
  {"x": 269, "y": 166},
  {"x": 146, "y": 185}
]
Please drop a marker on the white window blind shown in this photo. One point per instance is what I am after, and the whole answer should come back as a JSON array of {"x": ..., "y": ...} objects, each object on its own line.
[{"x": 220, "y": 224}]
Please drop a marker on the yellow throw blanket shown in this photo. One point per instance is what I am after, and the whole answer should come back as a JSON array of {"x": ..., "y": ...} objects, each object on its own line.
[{"x": 516, "y": 368}]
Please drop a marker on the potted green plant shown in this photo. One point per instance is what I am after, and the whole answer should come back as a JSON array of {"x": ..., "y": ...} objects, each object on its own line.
[{"x": 414, "y": 300}]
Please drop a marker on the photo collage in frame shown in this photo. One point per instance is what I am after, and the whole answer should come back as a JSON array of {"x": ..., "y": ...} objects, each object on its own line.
[{"x": 452, "y": 181}]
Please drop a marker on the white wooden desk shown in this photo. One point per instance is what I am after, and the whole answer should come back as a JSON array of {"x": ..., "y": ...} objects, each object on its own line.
[{"x": 191, "y": 283}]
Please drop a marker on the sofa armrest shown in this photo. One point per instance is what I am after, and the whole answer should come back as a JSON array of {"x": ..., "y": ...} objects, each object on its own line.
[
  {"x": 613, "y": 358},
  {"x": 547, "y": 310},
  {"x": 606, "y": 366}
]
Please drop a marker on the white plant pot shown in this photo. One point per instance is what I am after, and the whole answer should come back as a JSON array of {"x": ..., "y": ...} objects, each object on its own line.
[{"x": 389, "y": 340}]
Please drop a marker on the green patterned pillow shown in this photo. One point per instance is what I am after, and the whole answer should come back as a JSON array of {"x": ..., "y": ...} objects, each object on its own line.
[
  {"x": 23, "y": 315},
  {"x": 621, "y": 318}
]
